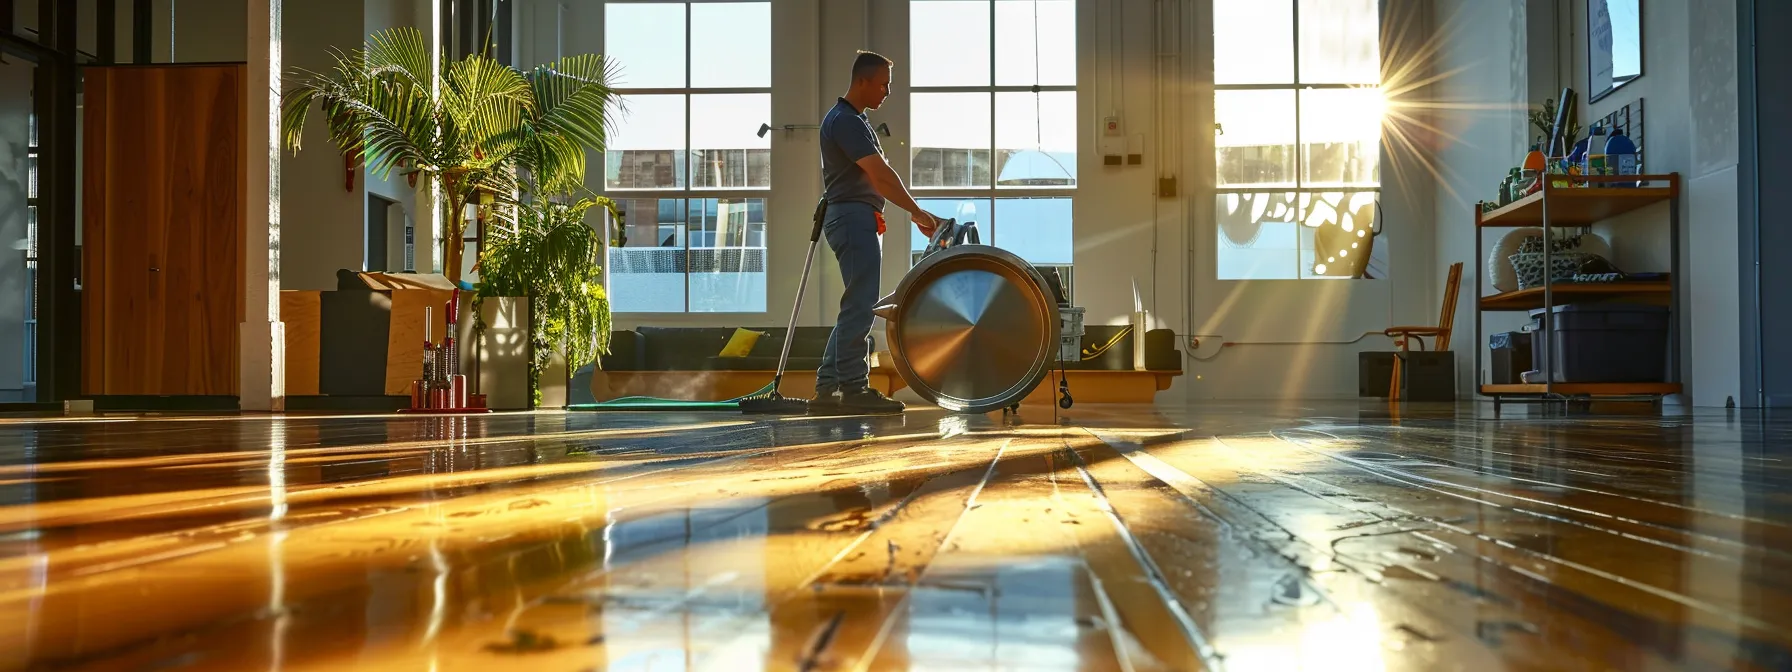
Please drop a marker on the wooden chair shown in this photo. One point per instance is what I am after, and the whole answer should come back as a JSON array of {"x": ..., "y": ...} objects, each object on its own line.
[{"x": 1404, "y": 336}]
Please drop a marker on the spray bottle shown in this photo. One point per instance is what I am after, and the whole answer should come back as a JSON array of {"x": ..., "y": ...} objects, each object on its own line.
[
  {"x": 1595, "y": 162},
  {"x": 1620, "y": 153}
]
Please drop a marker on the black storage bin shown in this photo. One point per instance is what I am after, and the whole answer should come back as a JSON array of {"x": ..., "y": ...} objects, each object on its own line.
[
  {"x": 1427, "y": 376},
  {"x": 1511, "y": 356},
  {"x": 1161, "y": 353},
  {"x": 1373, "y": 372},
  {"x": 1604, "y": 343}
]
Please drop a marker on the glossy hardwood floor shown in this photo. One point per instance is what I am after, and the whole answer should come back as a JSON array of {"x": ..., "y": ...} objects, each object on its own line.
[{"x": 1238, "y": 537}]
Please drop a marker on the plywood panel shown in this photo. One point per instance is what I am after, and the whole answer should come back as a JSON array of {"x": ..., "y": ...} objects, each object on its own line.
[
  {"x": 404, "y": 347},
  {"x": 302, "y": 311},
  {"x": 163, "y": 210}
]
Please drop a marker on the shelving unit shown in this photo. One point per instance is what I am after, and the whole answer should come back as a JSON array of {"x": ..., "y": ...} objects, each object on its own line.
[{"x": 1553, "y": 208}]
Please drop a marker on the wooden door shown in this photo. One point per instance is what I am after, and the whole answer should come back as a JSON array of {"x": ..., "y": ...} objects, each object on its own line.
[{"x": 163, "y": 200}]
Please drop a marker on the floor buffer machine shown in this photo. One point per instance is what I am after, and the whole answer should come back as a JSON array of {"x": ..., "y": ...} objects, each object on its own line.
[{"x": 974, "y": 328}]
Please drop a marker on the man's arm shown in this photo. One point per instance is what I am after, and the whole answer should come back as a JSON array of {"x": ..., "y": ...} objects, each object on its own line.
[{"x": 889, "y": 185}]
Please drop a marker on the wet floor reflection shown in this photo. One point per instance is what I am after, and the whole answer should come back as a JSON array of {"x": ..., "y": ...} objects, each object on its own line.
[{"x": 1250, "y": 537}]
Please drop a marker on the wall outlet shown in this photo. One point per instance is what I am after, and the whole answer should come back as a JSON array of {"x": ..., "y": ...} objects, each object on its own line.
[{"x": 1112, "y": 149}]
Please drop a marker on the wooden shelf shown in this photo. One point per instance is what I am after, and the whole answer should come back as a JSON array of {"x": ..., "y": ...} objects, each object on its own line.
[
  {"x": 1582, "y": 206},
  {"x": 1571, "y": 207},
  {"x": 1588, "y": 389},
  {"x": 1566, "y": 292}
]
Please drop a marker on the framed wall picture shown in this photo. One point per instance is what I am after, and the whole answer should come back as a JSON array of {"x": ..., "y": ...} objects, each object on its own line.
[{"x": 1614, "y": 45}]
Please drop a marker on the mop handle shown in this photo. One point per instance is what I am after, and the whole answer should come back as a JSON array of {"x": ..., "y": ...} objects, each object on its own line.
[{"x": 821, "y": 209}]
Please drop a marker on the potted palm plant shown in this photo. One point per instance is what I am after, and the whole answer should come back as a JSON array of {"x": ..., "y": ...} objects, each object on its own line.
[
  {"x": 479, "y": 131},
  {"x": 552, "y": 258},
  {"x": 512, "y": 143}
]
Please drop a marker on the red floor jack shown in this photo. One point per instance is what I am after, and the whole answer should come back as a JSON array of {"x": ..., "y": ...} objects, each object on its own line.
[{"x": 443, "y": 388}]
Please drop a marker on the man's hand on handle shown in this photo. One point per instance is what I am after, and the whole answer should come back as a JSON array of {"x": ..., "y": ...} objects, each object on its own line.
[
  {"x": 925, "y": 221},
  {"x": 890, "y": 186}
]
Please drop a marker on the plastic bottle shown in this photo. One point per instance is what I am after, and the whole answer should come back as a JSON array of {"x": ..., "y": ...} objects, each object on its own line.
[
  {"x": 1595, "y": 163},
  {"x": 1579, "y": 155},
  {"x": 1620, "y": 154},
  {"x": 1535, "y": 160}
]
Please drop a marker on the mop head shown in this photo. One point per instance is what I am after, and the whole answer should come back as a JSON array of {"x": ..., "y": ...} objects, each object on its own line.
[
  {"x": 663, "y": 404},
  {"x": 769, "y": 402}
]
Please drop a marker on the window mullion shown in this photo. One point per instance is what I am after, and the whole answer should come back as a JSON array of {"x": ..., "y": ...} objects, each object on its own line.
[
  {"x": 1299, "y": 154},
  {"x": 690, "y": 171},
  {"x": 994, "y": 170}
]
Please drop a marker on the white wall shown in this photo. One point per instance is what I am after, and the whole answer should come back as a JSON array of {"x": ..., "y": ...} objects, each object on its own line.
[
  {"x": 1300, "y": 339},
  {"x": 385, "y": 15},
  {"x": 1692, "y": 127},
  {"x": 321, "y": 216},
  {"x": 1505, "y": 56},
  {"x": 1296, "y": 339},
  {"x": 1488, "y": 79},
  {"x": 1125, "y": 236}
]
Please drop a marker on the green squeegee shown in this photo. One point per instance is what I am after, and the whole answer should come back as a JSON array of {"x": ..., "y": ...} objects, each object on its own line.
[{"x": 659, "y": 404}]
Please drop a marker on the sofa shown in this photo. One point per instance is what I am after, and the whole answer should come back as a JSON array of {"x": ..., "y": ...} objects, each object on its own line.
[{"x": 688, "y": 363}]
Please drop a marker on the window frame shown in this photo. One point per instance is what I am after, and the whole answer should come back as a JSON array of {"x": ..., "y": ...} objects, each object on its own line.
[
  {"x": 687, "y": 193},
  {"x": 994, "y": 193},
  {"x": 1298, "y": 188}
]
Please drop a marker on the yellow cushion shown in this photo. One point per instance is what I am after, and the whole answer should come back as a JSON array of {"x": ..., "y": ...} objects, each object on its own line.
[{"x": 741, "y": 343}]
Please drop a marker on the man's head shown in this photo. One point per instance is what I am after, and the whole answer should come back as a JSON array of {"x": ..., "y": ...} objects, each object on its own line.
[{"x": 870, "y": 81}]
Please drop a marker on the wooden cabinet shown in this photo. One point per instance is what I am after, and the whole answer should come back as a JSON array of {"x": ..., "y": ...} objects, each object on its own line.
[{"x": 163, "y": 204}]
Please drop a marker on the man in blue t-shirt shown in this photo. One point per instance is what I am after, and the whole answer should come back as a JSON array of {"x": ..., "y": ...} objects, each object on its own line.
[{"x": 856, "y": 183}]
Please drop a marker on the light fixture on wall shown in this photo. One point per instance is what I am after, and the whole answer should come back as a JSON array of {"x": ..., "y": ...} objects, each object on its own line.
[{"x": 767, "y": 128}]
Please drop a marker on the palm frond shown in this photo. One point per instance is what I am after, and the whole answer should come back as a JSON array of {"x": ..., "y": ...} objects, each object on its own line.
[
  {"x": 486, "y": 99},
  {"x": 576, "y": 97},
  {"x": 402, "y": 55},
  {"x": 557, "y": 163},
  {"x": 295, "y": 108},
  {"x": 378, "y": 112}
]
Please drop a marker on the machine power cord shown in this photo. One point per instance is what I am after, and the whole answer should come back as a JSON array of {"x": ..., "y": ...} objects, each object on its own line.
[{"x": 1233, "y": 344}]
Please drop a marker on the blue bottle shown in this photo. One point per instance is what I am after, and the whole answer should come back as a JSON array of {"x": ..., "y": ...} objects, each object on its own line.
[
  {"x": 1620, "y": 154},
  {"x": 1594, "y": 161},
  {"x": 1578, "y": 155}
]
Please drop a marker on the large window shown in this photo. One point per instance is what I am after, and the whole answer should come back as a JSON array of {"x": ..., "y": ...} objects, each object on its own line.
[
  {"x": 686, "y": 159},
  {"x": 994, "y": 117},
  {"x": 1298, "y": 105}
]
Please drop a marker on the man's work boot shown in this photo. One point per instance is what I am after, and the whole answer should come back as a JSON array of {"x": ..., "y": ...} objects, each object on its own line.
[
  {"x": 870, "y": 402},
  {"x": 825, "y": 404},
  {"x": 861, "y": 402}
]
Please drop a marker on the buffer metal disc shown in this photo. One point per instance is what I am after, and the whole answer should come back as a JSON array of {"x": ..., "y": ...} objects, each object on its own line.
[{"x": 972, "y": 328}]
